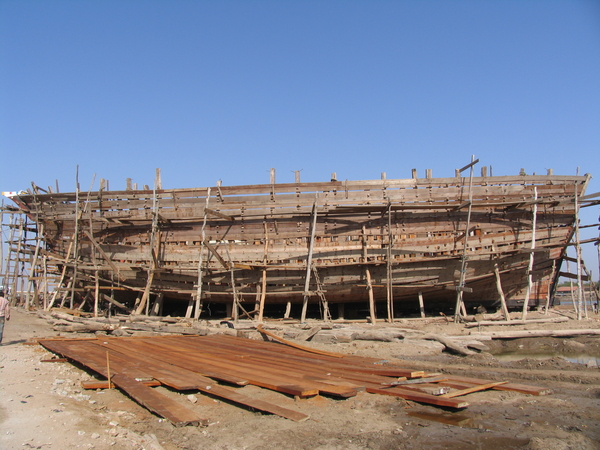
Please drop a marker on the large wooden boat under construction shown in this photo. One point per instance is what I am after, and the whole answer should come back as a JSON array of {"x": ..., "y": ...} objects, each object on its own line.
[{"x": 378, "y": 247}]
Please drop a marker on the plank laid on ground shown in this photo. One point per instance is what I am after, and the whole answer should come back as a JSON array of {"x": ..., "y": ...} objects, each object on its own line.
[
  {"x": 223, "y": 392},
  {"x": 516, "y": 387},
  {"x": 481, "y": 387},
  {"x": 293, "y": 364},
  {"x": 149, "y": 354},
  {"x": 258, "y": 377},
  {"x": 178, "y": 414},
  {"x": 162, "y": 372},
  {"x": 98, "y": 384},
  {"x": 419, "y": 397},
  {"x": 301, "y": 347},
  {"x": 300, "y": 357}
]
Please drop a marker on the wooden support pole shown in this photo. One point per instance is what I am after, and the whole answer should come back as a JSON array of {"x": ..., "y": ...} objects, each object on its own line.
[
  {"x": 501, "y": 292},
  {"x": 76, "y": 239},
  {"x": 198, "y": 300},
  {"x": 263, "y": 286},
  {"x": 390, "y": 291},
  {"x": 155, "y": 239},
  {"x": 62, "y": 276},
  {"x": 549, "y": 293},
  {"x": 421, "y": 305},
  {"x": 33, "y": 268},
  {"x": 578, "y": 252},
  {"x": 309, "y": 262},
  {"x": 372, "y": 310},
  {"x": 460, "y": 306},
  {"x": 15, "y": 280},
  {"x": 158, "y": 305},
  {"x": 531, "y": 256}
]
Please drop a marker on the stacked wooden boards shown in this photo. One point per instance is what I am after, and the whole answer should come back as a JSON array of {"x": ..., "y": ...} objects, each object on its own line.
[{"x": 202, "y": 362}]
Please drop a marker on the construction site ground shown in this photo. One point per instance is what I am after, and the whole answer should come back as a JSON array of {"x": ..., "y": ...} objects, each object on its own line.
[{"x": 43, "y": 406}]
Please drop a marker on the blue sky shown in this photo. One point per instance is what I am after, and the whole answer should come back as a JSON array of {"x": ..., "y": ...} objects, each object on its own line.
[{"x": 210, "y": 90}]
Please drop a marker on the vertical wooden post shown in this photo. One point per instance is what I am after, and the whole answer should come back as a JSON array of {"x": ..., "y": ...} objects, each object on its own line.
[
  {"x": 575, "y": 308},
  {"x": 263, "y": 286},
  {"x": 501, "y": 292},
  {"x": 372, "y": 310},
  {"x": 158, "y": 305},
  {"x": 198, "y": 302},
  {"x": 309, "y": 262},
  {"x": 578, "y": 251},
  {"x": 389, "y": 267},
  {"x": 550, "y": 287},
  {"x": 15, "y": 280},
  {"x": 32, "y": 270},
  {"x": 531, "y": 256},
  {"x": 288, "y": 310},
  {"x": 421, "y": 305},
  {"x": 341, "y": 307},
  {"x": 76, "y": 239},
  {"x": 96, "y": 292},
  {"x": 263, "y": 295},
  {"x": 154, "y": 252},
  {"x": 460, "y": 306}
]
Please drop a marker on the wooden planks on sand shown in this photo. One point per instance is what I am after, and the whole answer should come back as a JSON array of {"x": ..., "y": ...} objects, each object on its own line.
[{"x": 202, "y": 362}]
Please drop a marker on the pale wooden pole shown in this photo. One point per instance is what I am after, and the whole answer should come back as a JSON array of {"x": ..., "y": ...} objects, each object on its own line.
[
  {"x": 309, "y": 262},
  {"x": 531, "y": 256},
  {"x": 501, "y": 292},
  {"x": 372, "y": 310},
  {"x": 421, "y": 305}
]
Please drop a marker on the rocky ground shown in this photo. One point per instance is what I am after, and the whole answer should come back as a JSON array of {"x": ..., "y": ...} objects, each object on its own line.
[{"x": 43, "y": 406}]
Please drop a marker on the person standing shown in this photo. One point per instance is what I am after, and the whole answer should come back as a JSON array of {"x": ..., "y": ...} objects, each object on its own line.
[{"x": 4, "y": 313}]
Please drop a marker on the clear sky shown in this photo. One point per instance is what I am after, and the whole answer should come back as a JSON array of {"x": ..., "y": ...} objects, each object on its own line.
[{"x": 225, "y": 90}]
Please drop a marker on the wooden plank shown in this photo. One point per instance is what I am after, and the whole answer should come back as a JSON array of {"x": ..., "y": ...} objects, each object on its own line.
[
  {"x": 99, "y": 384},
  {"x": 223, "y": 392},
  {"x": 298, "y": 346},
  {"x": 158, "y": 403},
  {"x": 516, "y": 387},
  {"x": 480, "y": 387},
  {"x": 419, "y": 397}
]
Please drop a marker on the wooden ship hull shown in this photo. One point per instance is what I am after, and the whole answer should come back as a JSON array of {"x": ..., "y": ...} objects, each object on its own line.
[{"x": 377, "y": 247}]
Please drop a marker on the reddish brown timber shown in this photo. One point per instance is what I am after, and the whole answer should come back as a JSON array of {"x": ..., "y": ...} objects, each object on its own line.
[
  {"x": 480, "y": 387},
  {"x": 419, "y": 397},
  {"x": 229, "y": 394},
  {"x": 156, "y": 402},
  {"x": 516, "y": 387},
  {"x": 99, "y": 384}
]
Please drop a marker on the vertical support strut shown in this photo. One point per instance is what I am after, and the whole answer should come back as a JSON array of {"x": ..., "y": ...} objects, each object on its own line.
[
  {"x": 390, "y": 291},
  {"x": 372, "y": 310},
  {"x": 501, "y": 292},
  {"x": 198, "y": 302},
  {"x": 309, "y": 262},
  {"x": 460, "y": 306},
  {"x": 578, "y": 251},
  {"x": 531, "y": 256}
]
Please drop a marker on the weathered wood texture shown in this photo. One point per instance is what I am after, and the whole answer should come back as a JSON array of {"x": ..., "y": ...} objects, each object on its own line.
[
  {"x": 197, "y": 363},
  {"x": 425, "y": 228}
]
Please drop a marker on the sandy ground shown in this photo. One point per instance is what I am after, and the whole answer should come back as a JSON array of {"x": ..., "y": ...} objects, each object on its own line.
[{"x": 42, "y": 405}]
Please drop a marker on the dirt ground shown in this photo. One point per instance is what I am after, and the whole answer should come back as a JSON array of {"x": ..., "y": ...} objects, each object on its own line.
[{"x": 42, "y": 405}]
